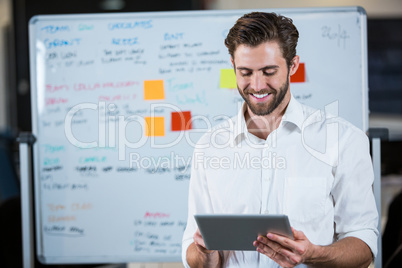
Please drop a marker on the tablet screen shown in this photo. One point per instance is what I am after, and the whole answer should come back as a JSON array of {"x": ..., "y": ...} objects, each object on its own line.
[{"x": 238, "y": 232}]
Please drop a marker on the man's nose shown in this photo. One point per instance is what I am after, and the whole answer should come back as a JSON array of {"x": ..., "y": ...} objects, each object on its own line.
[{"x": 257, "y": 82}]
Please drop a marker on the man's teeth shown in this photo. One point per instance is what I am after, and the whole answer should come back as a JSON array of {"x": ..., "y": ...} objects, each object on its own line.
[{"x": 260, "y": 96}]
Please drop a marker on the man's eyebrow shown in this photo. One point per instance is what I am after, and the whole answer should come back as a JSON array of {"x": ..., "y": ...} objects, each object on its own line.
[{"x": 261, "y": 69}]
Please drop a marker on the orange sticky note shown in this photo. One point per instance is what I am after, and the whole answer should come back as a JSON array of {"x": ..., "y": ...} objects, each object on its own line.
[
  {"x": 300, "y": 75},
  {"x": 181, "y": 121},
  {"x": 154, "y": 90},
  {"x": 154, "y": 126}
]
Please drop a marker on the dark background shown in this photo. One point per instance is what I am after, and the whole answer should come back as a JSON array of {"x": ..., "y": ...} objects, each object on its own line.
[{"x": 385, "y": 94}]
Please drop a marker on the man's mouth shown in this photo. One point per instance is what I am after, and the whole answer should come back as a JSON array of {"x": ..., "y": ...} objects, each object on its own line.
[{"x": 260, "y": 96}]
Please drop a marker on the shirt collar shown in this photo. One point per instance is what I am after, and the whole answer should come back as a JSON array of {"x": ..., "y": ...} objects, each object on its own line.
[
  {"x": 240, "y": 124},
  {"x": 294, "y": 114}
]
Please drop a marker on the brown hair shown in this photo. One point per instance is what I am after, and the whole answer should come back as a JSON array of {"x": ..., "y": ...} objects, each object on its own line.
[{"x": 256, "y": 28}]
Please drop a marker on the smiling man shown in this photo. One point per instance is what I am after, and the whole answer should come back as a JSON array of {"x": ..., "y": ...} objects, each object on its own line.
[{"x": 329, "y": 200}]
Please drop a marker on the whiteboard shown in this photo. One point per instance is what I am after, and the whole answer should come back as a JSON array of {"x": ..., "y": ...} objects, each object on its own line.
[{"x": 119, "y": 100}]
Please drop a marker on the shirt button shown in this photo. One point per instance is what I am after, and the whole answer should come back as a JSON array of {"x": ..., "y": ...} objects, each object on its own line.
[
  {"x": 267, "y": 179},
  {"x": 266, "y": 212}
]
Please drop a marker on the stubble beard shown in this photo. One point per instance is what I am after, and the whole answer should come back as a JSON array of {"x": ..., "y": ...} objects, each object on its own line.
[{"x": 259, "y": 108}]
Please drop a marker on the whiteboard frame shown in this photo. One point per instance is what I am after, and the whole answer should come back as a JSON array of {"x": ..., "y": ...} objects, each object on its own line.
[{"x": 237, "y": 12}]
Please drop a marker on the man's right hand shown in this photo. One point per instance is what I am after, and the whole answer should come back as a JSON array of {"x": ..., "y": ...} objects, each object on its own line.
[
  {"x": 199, "y": 242},
  {"x": 199, "y": 256}
]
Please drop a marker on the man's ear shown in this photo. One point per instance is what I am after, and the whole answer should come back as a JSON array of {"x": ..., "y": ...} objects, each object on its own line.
[
  {"x": 233, "y": 64},
  {"x": 294, "y": 65}
]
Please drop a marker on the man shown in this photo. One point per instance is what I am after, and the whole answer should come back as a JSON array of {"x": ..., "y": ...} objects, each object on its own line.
[{"x": 313, "y": 167}]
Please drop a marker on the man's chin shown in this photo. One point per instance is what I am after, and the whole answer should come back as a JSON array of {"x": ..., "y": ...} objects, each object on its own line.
[{"x": 260, "y": 111}]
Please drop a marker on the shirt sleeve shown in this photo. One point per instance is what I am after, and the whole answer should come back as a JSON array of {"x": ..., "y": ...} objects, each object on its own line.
[
  {"x": 199, "y": 201},
  {"x": 355, "y": 209}
]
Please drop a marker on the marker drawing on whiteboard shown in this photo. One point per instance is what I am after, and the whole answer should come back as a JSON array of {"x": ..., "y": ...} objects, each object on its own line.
[
  {"x": 62, "y": 186},
  {"x": 126, "y": 169},
  {"x": 85, "y": 27},
  {"x": 192, "y": 45},
  {"x": 182, "y": 177},
  {"x": 55, "y": 186},
  {"x": 125, "y": 41},
  {"x": 174, "y": 86},
  {"x": 145, "y": 24},
  {"x": 46, "y": 124},
  {"x": 92, "y": 159},
  {"x": 169, "y": 55},
  {"x": 79, "y": 186},
  {"x": 53, "y": 148},
  {"x": 50, "y": 161},
  {"x": 59, "y": 123},
  {"x": 55, "y": 88},
  {"x": 52, "y": 29},
  {"x": 58, "y": 43},
  {"x": 65, "y": 218},
  {"x": 52, "y": 169},
  {"x": 213, "y": 62},
  {"x": 61, "y": 230},
  {"x": 208, "y": 53},
  {"x": 87, "y": 171},
  {"x": 169, "y": 46},
  {"x": 173, "y": 36},
  {"x": 196, "y": 98},
  {"x": 54, "y": 101},
  {"x": 179, "y": 63},
  {"x": 340, "y": 35},
  {"x": 107, "y": 169}
]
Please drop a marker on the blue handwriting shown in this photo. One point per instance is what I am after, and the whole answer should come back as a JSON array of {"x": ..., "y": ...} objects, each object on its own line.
[
  {"x": 54, "y": 29},
  {"x": 145, "y": 24},
  {"x": 61, "y": 42},
  {"x": 85, "y": 27},
  {"x": 174, "y": 36},
  {"x": 125, "y": 41}
]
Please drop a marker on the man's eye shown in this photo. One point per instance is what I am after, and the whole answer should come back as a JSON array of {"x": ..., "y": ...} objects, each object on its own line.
[
  {"x": 245, "y": 74},
  {"x": 269, "y": 74}
]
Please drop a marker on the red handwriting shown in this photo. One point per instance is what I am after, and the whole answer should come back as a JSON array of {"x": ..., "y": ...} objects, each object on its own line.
[
  {"x": 156, "y": 215},
  {"x": 116, "y": 97},
  {"x": 52, "y": 101},
  {"x": 50, "y": 88},
  {"x": 83, "y": 86},
  {"x": 120, "y": 84},
  {"x": 55, "y": 88}
]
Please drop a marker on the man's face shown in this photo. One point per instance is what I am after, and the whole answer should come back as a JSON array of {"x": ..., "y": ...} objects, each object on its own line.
[{"x": 262, "y": 76}]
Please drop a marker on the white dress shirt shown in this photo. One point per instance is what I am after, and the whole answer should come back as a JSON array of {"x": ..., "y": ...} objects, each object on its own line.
[{"x": 315, "y": 168}]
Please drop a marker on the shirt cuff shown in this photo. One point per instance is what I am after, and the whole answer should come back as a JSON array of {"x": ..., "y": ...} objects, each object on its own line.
[
  {"x": 185, "y": 245},
  {"x": 368, "y": 236}
]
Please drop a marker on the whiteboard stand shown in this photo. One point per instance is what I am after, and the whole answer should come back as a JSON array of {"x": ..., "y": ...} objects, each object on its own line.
[
  {"x": 376, "y": 135},
  {"x": 26, "y": 141}
]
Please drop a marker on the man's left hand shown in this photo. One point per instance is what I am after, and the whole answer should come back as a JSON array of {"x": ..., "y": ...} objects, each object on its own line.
[{"x": 285, "y": 251}]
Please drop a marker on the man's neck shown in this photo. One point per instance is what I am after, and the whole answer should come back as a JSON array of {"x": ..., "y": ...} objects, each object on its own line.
[{"x": 262, "y": 126}]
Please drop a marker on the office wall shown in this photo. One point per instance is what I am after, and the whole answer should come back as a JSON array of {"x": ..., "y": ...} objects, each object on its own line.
[
  {"x": 4, "y": 23},
  {"x": 374, "y": 8}
]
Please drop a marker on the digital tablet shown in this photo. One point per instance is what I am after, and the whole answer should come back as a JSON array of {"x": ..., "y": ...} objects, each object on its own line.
[{"x": 238, "y": 232}]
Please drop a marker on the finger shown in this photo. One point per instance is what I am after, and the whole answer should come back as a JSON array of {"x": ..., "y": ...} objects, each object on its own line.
[
  {"x": 198, "y": 240},
  {"x": 276, "y": 255},
  {"x": 289, "y": 257},
  {"x": 298, "y": 235},
  {"x": 270, "y": 248},
  {"x": 296, "y": 251},
  {"x": 271, "y": 244},
  {"x": 282, "y": 241}
]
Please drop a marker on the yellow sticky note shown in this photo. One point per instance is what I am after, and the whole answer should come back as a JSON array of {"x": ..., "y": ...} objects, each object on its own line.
[
  {"x": 155, "y": 126},
  {"x": 228, "y": 79},
  {"x": 154, "y": 90}
]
